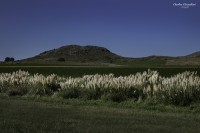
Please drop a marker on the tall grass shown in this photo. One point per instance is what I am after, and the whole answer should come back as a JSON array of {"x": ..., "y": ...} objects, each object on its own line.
[{"x": 180, "y": 89}]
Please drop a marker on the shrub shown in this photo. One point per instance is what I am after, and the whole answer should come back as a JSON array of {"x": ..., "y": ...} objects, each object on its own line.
[
  {"x": 61, "y": 59},
  {"x": 181, "y": 89},
  {"x": 92, "y": 93},
  {"x": 69, "y": 93},
  {"x": 17, "y": 91},
  {"x": 9, "y": 59}
]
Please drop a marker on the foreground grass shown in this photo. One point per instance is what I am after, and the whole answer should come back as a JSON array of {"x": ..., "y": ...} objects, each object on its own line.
[{"x": 50, "y": 115}]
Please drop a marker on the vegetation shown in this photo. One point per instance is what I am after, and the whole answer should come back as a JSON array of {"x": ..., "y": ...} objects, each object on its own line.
[
  {"x": 90, "y": 89},
  {"x": 77, "y": 99},
  {"x": 180, "y": 89},
  {"x": 53, "y": 115},
  {"x": 61, "y": 59},
  {"x": 9, "y": 59}
]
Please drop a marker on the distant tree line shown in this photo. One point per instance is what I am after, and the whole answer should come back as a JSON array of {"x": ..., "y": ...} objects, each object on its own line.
[{"x": 9, "y": 59}]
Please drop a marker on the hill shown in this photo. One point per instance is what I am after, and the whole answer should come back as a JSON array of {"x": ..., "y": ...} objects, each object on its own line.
[
  {"x": 195, "y": 54},
  {"x": 95, "y": 55},
  {"x": 76, "y": 53},
  {"x": 188, "y": 60}
]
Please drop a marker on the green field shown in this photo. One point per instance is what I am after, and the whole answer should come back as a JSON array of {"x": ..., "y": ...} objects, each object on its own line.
[
  {"x": 78, "y": 71},
  {"x": 45, "y": 115},
  {"x": 54, "y": 114}
]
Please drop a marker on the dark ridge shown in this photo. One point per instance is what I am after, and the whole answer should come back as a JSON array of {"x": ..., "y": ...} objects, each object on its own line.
[
  {"x": 195, "y": 54},
  {"x": 76, "y": 53}
]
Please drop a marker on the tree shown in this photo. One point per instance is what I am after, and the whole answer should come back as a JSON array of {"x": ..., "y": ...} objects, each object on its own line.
[
  {"x": 12, "y": 59},
  {"x": 9, "y": 59},
  {"x": 61, "y": 59}
]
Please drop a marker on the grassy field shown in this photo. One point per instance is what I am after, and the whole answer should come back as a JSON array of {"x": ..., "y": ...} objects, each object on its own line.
[
  {"x": 39, "y": 115},
  {"x": 78, "y": 71},
  {"x": 49, "y": 114}
]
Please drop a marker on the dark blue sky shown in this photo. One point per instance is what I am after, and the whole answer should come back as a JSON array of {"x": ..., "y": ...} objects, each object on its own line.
[{"x": 132, "y": 28}]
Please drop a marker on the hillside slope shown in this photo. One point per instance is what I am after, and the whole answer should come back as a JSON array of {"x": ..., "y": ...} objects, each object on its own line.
[
  {"x": 76, "y": 53},
  {"x": 95, "y": 55},
  {"x": 195, "y": 54}
]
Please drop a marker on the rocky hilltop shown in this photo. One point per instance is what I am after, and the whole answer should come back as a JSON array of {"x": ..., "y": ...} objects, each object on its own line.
[{"x": 76, "y": 53}]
